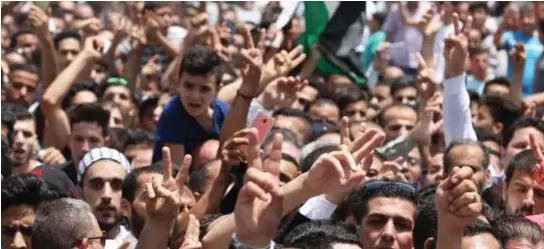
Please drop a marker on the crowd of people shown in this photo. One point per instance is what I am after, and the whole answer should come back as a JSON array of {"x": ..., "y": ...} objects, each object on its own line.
[{"x": 207, "y": 125}]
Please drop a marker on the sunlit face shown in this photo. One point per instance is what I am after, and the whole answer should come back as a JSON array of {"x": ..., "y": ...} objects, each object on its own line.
[
  {"x": 497, "y": 90},
  {"x": 28, "y": 42},
  {"x": 520, "y": 141},
  {"x": 399, "y": 121},
  {"x": 479, "y": 15},
  {"x": 435, "y": 171},
  {"x": 328, "y": 112},
  {"x": 304, "y": 97},
  {"x": 523, "y": 195},
  {"x": 356, "y": 112},
  {"x": 471, "y": 156},
  {"x": 411, "y": 166},
  {"x": 85, "y": 137},
  {"x": 22, "y": 87},
  {"x": 295, "y": 124},
  {"x": 388, "y": 224},
  {"x": 67, "y": 50},
  {"x": 99, "y": 73},
  {"x": 382, "y": 96},
  {"x": 120, "y": 95},
  {"x": 101, "y": 188},
  {"x": 139, "y": 155},
  {"x": 24, "y": 142},
  {"x": 528, "y": 22},
  {"x": 17, "y": 221},
  {"x": 116, "y": 118},
  {"x": 407, "y": 95},
  {"x": 197, "y": 93},
  {"x": 474, "y": 38},
  {"x": 484, "y": 120},
  {"x": 479, "y": 63},
  {"x": 165, "y": 16}
]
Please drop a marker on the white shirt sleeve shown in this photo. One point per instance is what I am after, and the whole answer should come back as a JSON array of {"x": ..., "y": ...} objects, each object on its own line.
[
  {"x": 317, "y": 208},
  {"x": 456, "y": 111}
]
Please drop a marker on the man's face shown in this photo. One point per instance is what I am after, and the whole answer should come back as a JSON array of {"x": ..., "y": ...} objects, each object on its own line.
[
  {"x": 147, "y": 123},
  {"x": 295, "y": 124},
  {"x": 522, "y": 244},
  {"x": 494, "y": 152},
  {"x": 22, "y": 86},
  {"x": 165, "y": 16},
  {"x": 435, "y": 173},
  {"x": 528, "y": 22},
  {"x": 523, "y": 195},
  {"x": 411, "y": 166},
  {"x": 28, "y": 42},
  {"x": 356, "y": 112},
  {"x": 497, "y": 90},
  {"x": 17, "y": 221},
  {"x": 398, "y": 121},
  {"x": 520, "y": 141},
  {"x": 116, "y": 118},
  {"x": 484, "y": 120},
  {"x": 479, "y": 63},
  {"x": 24, "y": 142},
  {"x": 382, "y": 96},
  {"x": 327, "y": 112},
  {"x": 68, "y": 49},
  {"x": 483, "y": 240},
  {"x": 474, "y": 39},
  {"x": 473, "y": 157},
  {"x": 407, "y": 95},
  {"x": 388, "y": 224},
  {"x": 120, "y": 95},
  {"x": 140, "y": 154},
  {"x": 197, "y": 93},
  {"x": 102, "y": 190},
  {"x": 85, "y": 137},
  {"x": 305, "y": 97},
  {"x": 479, "y": 16},
  {"x": 99, "y": 73}
]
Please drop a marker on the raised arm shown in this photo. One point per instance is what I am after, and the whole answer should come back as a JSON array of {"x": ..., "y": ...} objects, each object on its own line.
[
  {"x": 54, "y": 94},
  {"x": 49, "y": 66},
  {"x": 456, "y": 107},
  {"x": 518, "y": 64}
]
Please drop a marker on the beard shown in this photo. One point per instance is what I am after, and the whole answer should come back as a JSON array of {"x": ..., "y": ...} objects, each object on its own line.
[
  {"x": 136, "y": 223},
  {"x": 108, "y": 222}
]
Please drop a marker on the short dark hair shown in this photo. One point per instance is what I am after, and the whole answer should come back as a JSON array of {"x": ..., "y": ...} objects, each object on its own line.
[
  {"x": 7, "y": 171},
  {"x": 322, "y": 234},
  {"x": 130, "y": 183},
  {"x": 90, "y": 113},
  {"x": 502, "y": 110},
  {"x": 523, "y": 161},
  {"x": 405, "y": 81},
  {"x": 65, "y": 34},
  {"x": 26, "y": 189},
  {"x": 348, "y": 94},
  {"x": 448, "y": 165},
  {"x": 295, "y": 113},
  {"x": 514, "y": 227},
  {"x": 524, "y": 122},
  {"x": 288, "y": 136},
  {"x": 478, "y": 5},
  {"x": 320, "y": 87},
  {"x": 478, "y": 227},
  {"x": 201, "y": 60},
  {"x": 395, "y": 190},
  {"x": 152, "y": 5},
  {"x": 379, "y": 17},
  {"x": 76, "y": 88},
  {"x": 23, "y": 31},
  {"x": 29, "y": 68},
  {"x": 138, "y": 137},
  {"x": 310, "y": 159},
  {"x": 501, "y": 81},
  {"x": 426, "y": 222},
  {"x": 477, "y": 51},
  {"x": 380, "y": 118}
]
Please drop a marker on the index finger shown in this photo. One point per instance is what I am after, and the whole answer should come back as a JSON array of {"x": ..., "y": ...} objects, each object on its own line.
[
  {"x": 184, "y": 171},
  {"x": 421, "y": 60},
  {"x": 344, "y": 131},
  {"x": 262, "y": 38},
  {"x": 537, "y": 153},
  {"x": 467, "y": 26},
  {"x": 166, "y": 164},
  {"x": 247, "y": 38},
  {"x": 273, "y": 164},
  {"x": 456, "y": 27},
  {"x": 125, "y": 245}
]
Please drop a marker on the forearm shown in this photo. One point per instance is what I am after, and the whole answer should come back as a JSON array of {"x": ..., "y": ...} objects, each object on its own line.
[
  {"x": 295, "y": 193},
  {"x": 236, "y": 118},
  {"x": 49, "y": 63},
  {"x": 154, "y": 235},
  {"x": 220, "y": 234},
  {"x": 57, "y": 128},
  {"x": 111, "y": 54},
  {"x": 210, "y": 202},
  {"x": 517, "y": 84},
  {"x": 456, "y": 111},
  {"x": 132, "y": 67},
  {"x": 427, "y": 50},
  {"x": 227, "y": 93},
  {"x": 55, "y": 93},
  {"x": 171, "y": 75},
  {"x": 171, "y": 49}
]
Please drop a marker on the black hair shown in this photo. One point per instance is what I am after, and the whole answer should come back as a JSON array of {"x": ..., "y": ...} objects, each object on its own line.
[
  {"x": 380, "y": 118},
  {"x": 205, "y": 223},
  {"x": 201, "y": 60},
  {"x": 502, "y": 110},
  {"x": 492, "y": 196},
  {"x": 75, "y": 89},
  {"x": 379, "y": 17},
  {"x": 90, "y": 113},
  {"x": 14, "y": 36},
  {"x": 486, "y": 135},
  {"x": 117, "y": 137},
  {"x": 477, "y": 51},
  {"x": 309, "y": 160},
  {"x": 524, "y": 122},
  {"x": 523, "y": 162},
  {"x": 26, "y": 189},
  {"x": 147, "y": 103},
  {"x": 152, "y": 5},
  {"x": 478, "y": 227},
  {"x": 295, "y": 113},
  {"x": 6, "y": 158},
  {"x": 348, "y": 94},
  {"x": 478, "y": 5},
  {"x": 390, "y": 190},
  {"x": 322, "y": 234},
  {"x": 29, "y": 68},
  {"x": 65, "y": 34},
  {"x": 405, "y": 81},
  {"x": 288, "y": 136},
  {"x": 137, "y": 138},
  {"x": 197, "y": 177},
  {"x": 426, "y": 222},
  {"x": 448, "y": 164},
  {"x": 320, "y": 87},
  {"x": 514, "y": 228},
  {"x": 502, "y": 81},
  {"x": 473, "y": 96}
]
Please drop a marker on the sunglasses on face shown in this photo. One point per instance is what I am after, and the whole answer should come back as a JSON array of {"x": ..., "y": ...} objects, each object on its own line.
[{"x": 11, "y": 231}]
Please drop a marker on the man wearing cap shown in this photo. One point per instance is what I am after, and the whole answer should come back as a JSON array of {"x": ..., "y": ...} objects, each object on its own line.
[
  {"x": 100, "y": 175},
  {"x": 117, "y": 89}
]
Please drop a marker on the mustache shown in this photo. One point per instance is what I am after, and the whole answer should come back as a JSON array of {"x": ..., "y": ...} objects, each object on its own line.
[
  {"x": 105, "y": 207},
  {"x": 525, "y": 209}
]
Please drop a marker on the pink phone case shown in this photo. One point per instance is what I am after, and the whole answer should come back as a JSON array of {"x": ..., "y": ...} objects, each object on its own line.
[{"x": 264, "y": 123}]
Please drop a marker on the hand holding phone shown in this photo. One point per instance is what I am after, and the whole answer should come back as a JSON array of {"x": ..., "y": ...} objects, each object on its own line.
[{"x": 264, "y": 123}]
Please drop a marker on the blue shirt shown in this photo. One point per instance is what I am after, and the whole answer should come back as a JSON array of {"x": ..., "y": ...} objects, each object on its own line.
[
  {"x": 533, "y": 49},
  {"x": 176, "y": 126}
]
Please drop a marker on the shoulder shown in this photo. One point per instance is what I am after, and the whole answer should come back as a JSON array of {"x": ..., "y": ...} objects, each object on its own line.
[{"x": 221, "y": 106}]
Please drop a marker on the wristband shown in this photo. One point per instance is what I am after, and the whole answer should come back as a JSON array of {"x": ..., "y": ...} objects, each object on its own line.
[
  {"x": 240, "y": 245},
  {"x": 238, "y": 93}
]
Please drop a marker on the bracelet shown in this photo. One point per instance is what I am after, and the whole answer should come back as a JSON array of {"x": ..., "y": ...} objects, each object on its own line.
[
  {"x": 240, "y": 245},
  {"x": 238, "y": 93}
]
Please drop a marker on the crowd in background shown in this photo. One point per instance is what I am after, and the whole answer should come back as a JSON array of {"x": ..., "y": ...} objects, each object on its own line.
[{"x": 272, "y": 124}]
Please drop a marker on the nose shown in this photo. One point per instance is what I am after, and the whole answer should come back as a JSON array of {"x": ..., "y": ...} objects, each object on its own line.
[
  {"x": 107, "y": 194},
  {"x": 85, "y": 147},
  {"x": 403, "y": 131},
  {"x": 388, "y": 232},
  {"x": 23, "y": 91},
  {"x": 529, "y": 200},
  {"x": 18, "y": 241}
]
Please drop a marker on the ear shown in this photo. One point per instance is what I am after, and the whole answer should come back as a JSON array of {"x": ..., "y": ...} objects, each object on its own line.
[
  {"x": 428, "y": 243},
  {"x": 351, "y": 220},
  {"x": 504, "y": 191},
  {"x": 488, "y": 179},
  {"x": 107, "y": 140},
  {"x": 84, "y": 244},
  {"x": 498, "y": 127},
  {"x": 126, "y": 208}
]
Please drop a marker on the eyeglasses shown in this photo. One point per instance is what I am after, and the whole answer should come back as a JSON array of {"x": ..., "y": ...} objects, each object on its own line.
[
  {"x": 11, "y": 231},
  {"x": 377, "y": 184},
  {"x": 102, "y": 240}
]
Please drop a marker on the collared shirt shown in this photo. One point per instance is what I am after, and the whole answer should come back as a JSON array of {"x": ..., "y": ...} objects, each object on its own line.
[{"x": 123, "y": 235}]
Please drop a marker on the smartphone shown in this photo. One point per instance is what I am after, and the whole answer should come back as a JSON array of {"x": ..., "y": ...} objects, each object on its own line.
[{"x": 264, "y": 123}]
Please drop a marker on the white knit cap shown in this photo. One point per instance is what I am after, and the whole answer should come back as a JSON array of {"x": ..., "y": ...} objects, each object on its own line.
[{"x": 99, "y": 154}]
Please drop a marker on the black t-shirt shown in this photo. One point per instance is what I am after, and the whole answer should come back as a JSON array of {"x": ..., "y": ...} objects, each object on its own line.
[{"x": 70, "y": 169}]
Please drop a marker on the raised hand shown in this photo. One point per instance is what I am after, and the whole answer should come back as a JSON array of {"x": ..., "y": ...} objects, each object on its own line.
[
  {"x": 138, "y": 38},
  {"x": 282, "y": 92},
  {"x": 518, "y": 58},
  {"x": 39, "y": 21},
  {"x": 94, "y": 46},
  {"x": 122, "y": 26},
  {"x": 199, "y": 28},
  {"x": 281, "y": 64},
  {"x": 51, "y": 156},
  {"x": 426, "y": 80},
  {"x": 258, "y": 210},
  {"x": 231, "y": 154},
  {"x": 457, "y": 200},
  {"x": 91, "y": 27},
  {"x": 427, "y": 25},
  {"x": 192, "y": 233},
  {"x": 252, "y": 64},
  {"x": 456, "y": 48},
  {"x": 426, "y": 127},
  {"x": 538, "y": 171}
]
